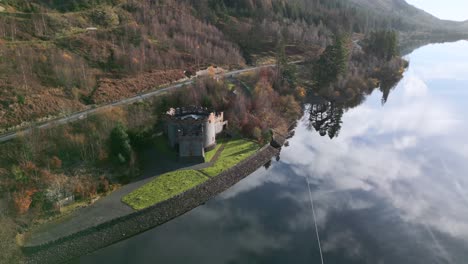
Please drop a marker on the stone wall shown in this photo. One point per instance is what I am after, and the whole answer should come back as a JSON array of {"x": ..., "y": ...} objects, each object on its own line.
[
  {"x": 191, "y": 147},
  {"x": 119, "y": 229}
]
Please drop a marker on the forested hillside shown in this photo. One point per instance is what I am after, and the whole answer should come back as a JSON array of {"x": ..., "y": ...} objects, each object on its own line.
[
  {"x": 406, "y": 17},
  {"x": 58, "y": 57},
  {"x": 55, "y": 56}
]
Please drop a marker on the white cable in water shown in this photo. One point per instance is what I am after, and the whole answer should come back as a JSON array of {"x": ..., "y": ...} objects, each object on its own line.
[{"x": 315, "y": 220}]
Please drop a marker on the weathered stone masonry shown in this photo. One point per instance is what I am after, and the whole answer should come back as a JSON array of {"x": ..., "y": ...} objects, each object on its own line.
[{"x": 193, "y": 130}]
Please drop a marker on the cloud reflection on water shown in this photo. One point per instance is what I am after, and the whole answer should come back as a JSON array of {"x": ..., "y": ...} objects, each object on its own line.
[
  {"x": 447, "y": 61},
  {"x": 392, "y": 188},
  {"x": 411, "y": 154},
  {"x": 399, "y": 153}
]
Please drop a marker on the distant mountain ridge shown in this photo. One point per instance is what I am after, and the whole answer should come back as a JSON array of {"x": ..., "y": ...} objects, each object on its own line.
[{"x": 413, "y": 17}]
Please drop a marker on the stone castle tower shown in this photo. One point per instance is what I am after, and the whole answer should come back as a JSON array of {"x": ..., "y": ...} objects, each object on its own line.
[{"x": 193, "y": 130}]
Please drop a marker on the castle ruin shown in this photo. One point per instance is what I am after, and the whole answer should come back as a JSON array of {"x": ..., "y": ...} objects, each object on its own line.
[{"x": 193, "y": 130}]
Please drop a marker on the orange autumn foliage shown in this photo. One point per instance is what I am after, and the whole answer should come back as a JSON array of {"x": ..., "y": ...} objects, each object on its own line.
[
  {"x": 67, "y": 56},
  {"x": 301, "y": 92},
  {"x": 22, "y": 200},
  {"x": 55, "y": 162},
  {"x": 29, "y": 167}
]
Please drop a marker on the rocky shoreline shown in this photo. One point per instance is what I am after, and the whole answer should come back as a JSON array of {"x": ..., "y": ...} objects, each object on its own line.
[{"x": 108, "y": 233}]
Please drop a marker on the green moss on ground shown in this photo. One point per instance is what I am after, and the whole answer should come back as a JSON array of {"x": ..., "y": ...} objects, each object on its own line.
[
  {"x": 164, "y": 187},
  {"x": 234, "y": 152}
]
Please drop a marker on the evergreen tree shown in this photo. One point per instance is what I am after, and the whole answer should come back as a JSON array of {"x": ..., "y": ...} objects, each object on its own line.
[
  {"x": 382, "y": 44},
  {"x": 285, "y": 72},
  {"x": 332, "y": 63},
  {"x": 121, "y": 149},
  {"x": 336, "y": 121}
]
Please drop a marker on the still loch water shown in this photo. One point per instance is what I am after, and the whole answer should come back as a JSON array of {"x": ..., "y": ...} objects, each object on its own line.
[{"x": 392, "y": 187}]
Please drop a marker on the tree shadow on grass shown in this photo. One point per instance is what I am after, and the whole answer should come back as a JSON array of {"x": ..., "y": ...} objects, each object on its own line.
[{"x": 245, "y": 151}]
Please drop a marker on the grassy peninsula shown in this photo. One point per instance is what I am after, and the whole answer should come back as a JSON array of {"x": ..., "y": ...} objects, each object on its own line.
[{"x": 173, "y": 183}]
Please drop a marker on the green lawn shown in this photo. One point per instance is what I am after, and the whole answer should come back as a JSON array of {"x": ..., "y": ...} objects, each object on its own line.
[
  {"x": 173, "y": 183},
  {"x": 234, "y": 152},
  {"x": 163, "y": 188},
  {"x": 210, "y": 154}
]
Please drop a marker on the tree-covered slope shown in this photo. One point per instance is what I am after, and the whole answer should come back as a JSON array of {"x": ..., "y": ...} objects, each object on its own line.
[
  {"x": 406, "y": 17},
  {"x": 60, "y": 56}
]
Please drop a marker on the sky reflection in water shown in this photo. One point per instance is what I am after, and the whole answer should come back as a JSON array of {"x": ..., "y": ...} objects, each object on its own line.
[{"x": 392, "y": 188}]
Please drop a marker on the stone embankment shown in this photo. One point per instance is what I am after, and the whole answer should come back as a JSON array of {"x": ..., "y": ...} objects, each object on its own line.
[{"x": 108, "y": 233}]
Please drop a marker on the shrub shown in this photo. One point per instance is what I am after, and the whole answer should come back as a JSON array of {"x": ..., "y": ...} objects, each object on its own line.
[
  {"x": 104, "y": 17},
  {"x": 120, "y": 146},
  {"x": 257, "y": 133},
  {"x": 41, "y": 201},
  {"x": 21, "y": 99},
  {"x": 55, "y": 162},
  {"x": 140, "y": 139},
  {"x": 104, "y": 185},
  {"x": 84, "y": 188},
  {"x": 22, "y": 200}
]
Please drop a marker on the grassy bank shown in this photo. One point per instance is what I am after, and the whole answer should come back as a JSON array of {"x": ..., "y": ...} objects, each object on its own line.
[
  {"x": 173, "y": 183},
  {"x": 234, "y": 152},
  {"x": 210, "y": 154},
  {"x": 164, "y": 187}
]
